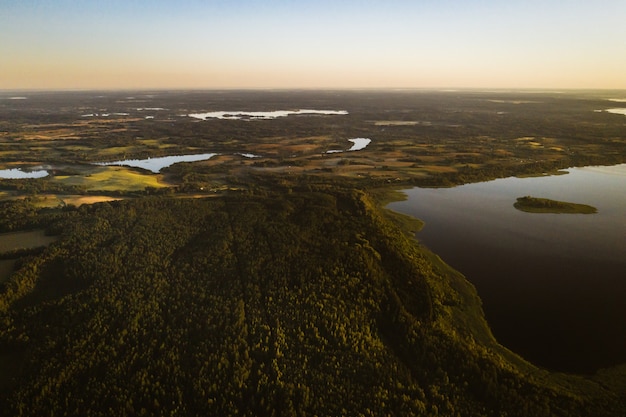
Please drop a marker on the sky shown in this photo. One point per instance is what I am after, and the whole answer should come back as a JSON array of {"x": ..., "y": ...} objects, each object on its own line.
[{"x": 141, "y": 44}]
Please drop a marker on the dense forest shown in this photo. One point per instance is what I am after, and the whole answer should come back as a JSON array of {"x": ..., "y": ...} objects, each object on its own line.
[{"x": 300, "y": 301}]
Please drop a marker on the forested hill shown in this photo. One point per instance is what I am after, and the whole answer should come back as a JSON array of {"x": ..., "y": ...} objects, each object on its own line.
[{"x": 301, "y": 303}]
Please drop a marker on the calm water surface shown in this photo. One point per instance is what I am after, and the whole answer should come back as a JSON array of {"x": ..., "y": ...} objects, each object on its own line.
[
  {"x": 553, "y": 285},
  {"x": 17, "y": 173},
  {"x": 157, "y": 164}
]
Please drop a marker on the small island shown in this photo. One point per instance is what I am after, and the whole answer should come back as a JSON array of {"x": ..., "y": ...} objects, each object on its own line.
[{"x": 543, "y": 205}]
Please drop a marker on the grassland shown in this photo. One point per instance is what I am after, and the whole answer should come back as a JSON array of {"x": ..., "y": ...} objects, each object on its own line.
[
  {"x": 114, "y": 178},
  {"x": 14, "y": 245},
  {"x": 24, "y": 240}
]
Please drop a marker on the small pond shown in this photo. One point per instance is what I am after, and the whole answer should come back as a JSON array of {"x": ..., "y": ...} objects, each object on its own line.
[
  {"x": 552, "y": 285},
  {"x": 17, "y": 173},
  {"x": 357, "y": 145},
  {"x": 261, "y": 115}
]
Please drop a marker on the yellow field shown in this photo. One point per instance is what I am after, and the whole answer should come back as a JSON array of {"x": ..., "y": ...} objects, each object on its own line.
[
  {"x": 436, "y": 169},
  {"x": 78, "y": 200},
  {"x": 113, "y": 178},
  {"x": 77, "y": 148},
  {"x": 58, "y": 200},
  {"x": 117, "y": 150}
]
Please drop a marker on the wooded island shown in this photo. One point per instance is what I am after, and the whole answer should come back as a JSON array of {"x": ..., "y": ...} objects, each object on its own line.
[{"x": 544, "y": 205}]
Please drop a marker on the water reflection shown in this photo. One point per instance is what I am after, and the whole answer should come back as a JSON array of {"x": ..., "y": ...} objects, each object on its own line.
[
  {"x": 552, "y": 284},
  {"x": 261, "y": 115},
  {"x": 157, "y": 164},
  {"x": 357, "y": 145},
  {"x": 17, "y": 173}
]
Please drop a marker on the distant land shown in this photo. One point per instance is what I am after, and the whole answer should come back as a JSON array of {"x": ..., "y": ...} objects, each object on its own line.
[{"x": 217, "y": 253}]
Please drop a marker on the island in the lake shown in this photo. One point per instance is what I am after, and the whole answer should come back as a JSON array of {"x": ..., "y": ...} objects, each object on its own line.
[
  {"x": 544, "y": 205},
  {"x": 225, "y": 253}
]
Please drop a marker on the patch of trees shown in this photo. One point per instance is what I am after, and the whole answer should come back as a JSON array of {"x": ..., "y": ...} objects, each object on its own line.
[
  {"x": 39, "y": 185},
  {"x": 23, "y": 214}
]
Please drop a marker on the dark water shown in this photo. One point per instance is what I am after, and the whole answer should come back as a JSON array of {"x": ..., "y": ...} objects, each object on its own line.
[
  {"x": 553, "y": 285},
  {"x": 157, "y": 164}
]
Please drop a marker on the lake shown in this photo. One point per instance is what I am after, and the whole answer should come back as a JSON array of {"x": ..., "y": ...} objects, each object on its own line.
[
  {"x": 17, "y": 173},
  {"x": 157, "y": 164},
  {"x": 552, "y": 285},
  {"x": 24, "y": 240},
  {"x": 262, "y": 115},
  {"x": 357, "y": 145}
]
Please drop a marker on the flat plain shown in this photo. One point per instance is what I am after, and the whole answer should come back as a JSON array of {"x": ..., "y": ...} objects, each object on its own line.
[{"x": 418, "y": 137}]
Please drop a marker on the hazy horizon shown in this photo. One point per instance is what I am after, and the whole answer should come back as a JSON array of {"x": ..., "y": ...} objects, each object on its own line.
[
  {"x": 147, "y": 90},
  {"x": 252, "y": 44}
]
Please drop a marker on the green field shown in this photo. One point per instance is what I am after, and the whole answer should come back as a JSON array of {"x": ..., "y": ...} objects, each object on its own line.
[
  {"x": 6, "y": 268},
  {"x": 24, "y": 240},
  {"x": 112, "y": 179}
]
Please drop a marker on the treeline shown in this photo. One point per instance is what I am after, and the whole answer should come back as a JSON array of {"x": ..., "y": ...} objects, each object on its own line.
[
  {"x": 467, "y": 174},
  {"x": 23, "y": 214},
  {"x": 304, "y": 302}
]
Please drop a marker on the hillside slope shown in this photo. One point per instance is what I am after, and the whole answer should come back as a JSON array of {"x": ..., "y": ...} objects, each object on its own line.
[{"x": 302, "y": 303}]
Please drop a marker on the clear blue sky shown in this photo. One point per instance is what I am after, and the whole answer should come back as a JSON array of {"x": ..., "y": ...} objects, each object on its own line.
[{"x": 312, "y": 44}]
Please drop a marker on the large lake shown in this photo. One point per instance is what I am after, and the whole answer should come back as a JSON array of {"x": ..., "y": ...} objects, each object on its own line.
[
  {"x": 553, "y": 285},
  {"x": 17, "y": 173}
]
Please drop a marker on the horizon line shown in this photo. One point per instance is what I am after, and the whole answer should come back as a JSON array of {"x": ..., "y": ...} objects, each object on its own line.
[{"x": 438, "y": 89}]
